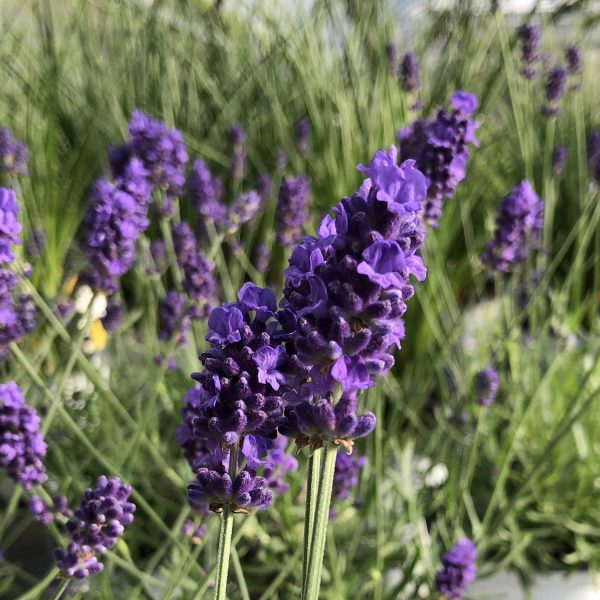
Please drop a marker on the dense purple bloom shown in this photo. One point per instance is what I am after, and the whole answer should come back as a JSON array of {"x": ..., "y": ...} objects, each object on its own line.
[
  {"x": 22, "y": 447},
  {"x": 302, "y": 135},
  {"x": 292, "y": 209},
  {"x": 10, "y": 228},
  {"x": 206, "y": 194},
  {"x": 559, "y": 159},
  {"x": 486, "y": 386},
  {"x": 245, "y": 207},
  {"x": 173, "y": 318},
  {"x": 518, "y": 227},
  {"x": 347, "y": 470},
  {"x": 440, "y": 148},
  {"x": 243, "y": 372},
  {"x": 41, "y": 513},
  {"x": 529, "y": 39},
  {"x": 14, "y": 155},
  {"x": 237, "y": 136},
  {"x": 409, "y": 72},
  {"x": 593, "y": 154},
  {"x": 391, "y": 53},
  {"x": 458, "y": 570},
  {"x": 95, "y": 527},
  {"x": 215, "y": 488},
  {"x": 160, "y": 150},
  {"x": 348, "y": 287},
  {"x": 555, "y": 86},
  {"x": 112, "y": 223},
  {"x": 574, "y": 60}
]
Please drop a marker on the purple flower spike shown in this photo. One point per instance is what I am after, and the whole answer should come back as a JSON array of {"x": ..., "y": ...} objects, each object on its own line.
[
  {"x": 10, "y": 228},
  {"x": 292, "y": 209},
  {"x": 440, "y": 150},
  {"x": 279, "y": 463},
  {"x": 529, "y": 39},
  {"x": 237, "y": 136},
  {"x": 41, "y": 513},
  {"x": 486, "y": 386},
  {"x": 593, "y": 153},
  {"x": 302, "y": 135},
  {"x": 14, "y": 155},
  {"x": 22, "y": 447},
  {"x": 458, "y": 570},
  {"x": 95, "y": 527},
  {"x": 173, "y": 318},
  {"x": 518, "y": 227},
  {"x": 556, "y": 84},
  {"x": 559, "y": 160},
  {"x": 409, "y": 72},
  {"x": 247, "y": 491},
  {"x": 206, "y": 193},
  {"x": 245, "y": 207},
  {"x": 345, "y": 476},
  {"x": 574, "y": 60}
]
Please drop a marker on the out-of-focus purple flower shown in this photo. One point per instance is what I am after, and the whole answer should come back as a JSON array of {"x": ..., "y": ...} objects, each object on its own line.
[
  {"x": 245, "y": 207},
  {"x": 22, "y": 447},
  {"x": 574, "y": 60},
  {"x": 36, "y": 244},
  {"x": 391, "y": 53},
  {"x": 61, "y": 506},
  {"x": 518, "y": 227},
  {"x": 261, "y": 258},
  {"x": 115, "y": 313},
  {"x": 158, "y": 253},
  {"x": 237, "y": 137},
  {"x": 529, "y": 39},
  {"x": 486, "y": 386},
  {"x": 264, "y": 186},
  {"x": 173, "y": 318},
  {"x": 25, "y": 311},
  {"x": 112, "y": 223},
  {"x": 347, "y": 470},
  {"x": 409, "y": 72},
  {"x": 593, "y": 154},
  {"x": 95, "y": 527},
  {"x": 559, "y": 160},
  {"x": 194, "y": 532},
  {"x": 41, "y": 513},
  {"x": 302, "y": 135},
  {"x": 292, "y": 209},
  {"x": 10, "y": 228},
  {"x": 440, "y": 149},
  {"x": 206, "y": 193},
  {"x": 281, "y": 160},
  {"x": 247, "y": 491},
  {"x": 556, "y": 83},
  {"x": 458, "y": 570},
  {"x": 161, "y": 151},
  {"x": 198, "y": 281},
  {"x": 14, "y": 155},
  {"x": 278, "y": 463}
]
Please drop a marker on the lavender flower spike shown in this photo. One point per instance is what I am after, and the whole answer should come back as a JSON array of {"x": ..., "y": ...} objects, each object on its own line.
[
  {"x": 486, "y": 386},
  {"x": 14, "y": 155},
  {"x": 409, "y": 72},
  {"x": 22, "y": 447},
  {"x": 292, "y": 209},
  {"x": 529, "y": 38},
  {"x": 556, "y": 83},
  {"x": 302, "y": 135},
  {"x": 95, "y": 527},
  {"x": 458, "y": 570},
  {"x": 518, "y": 227}
]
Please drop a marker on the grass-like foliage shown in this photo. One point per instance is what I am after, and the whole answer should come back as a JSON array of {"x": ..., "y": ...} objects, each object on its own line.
[{"x": 519, "y": 475}]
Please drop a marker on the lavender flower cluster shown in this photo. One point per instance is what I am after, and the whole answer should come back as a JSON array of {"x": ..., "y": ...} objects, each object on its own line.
[
  {"x": 440, "y": 150},
  {"x": 95, "y": 527},
  {"x": 22, "y": 447},
  {"x": 345, "y": 476},
  {"x": 458, "y": 570},
  {"x": 518, "y": 227},
  {"x": 14, "y": 154}
]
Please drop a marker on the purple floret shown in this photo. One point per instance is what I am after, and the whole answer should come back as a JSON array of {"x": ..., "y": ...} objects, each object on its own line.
[
  {"x": 95, "y": 527},
  {"x": 458, "y": 570},
  {"x": 486, "y": 386},
  {"x": 10, "y": 228},
  {"x": 440, "y": 149},
  {"x": 22, "y": 447},
  {"x": 292, "y": 209},
  {"x": 14, "y": 155},
  {"x": 518, "y": 227},
  {"x": 529, "y": 40},
  {"x": 206, "y": 194},
  {"x": 574, "y": 60},
  {"x": 556, "y": 83},
  {"x": 409, "y": 72}
]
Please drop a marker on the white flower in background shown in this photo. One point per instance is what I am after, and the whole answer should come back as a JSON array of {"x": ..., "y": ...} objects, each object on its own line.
[{"x": 437, "y": 476}]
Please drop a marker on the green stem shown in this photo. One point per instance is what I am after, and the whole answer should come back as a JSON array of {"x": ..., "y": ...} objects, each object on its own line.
[
  {"x": 319, "y": 533},
  {"x": 239, "y": 574},
  {"x": 37, "y": 591},
  {"x": 225, "y": 533},
  {"x": 314, "y": 473}
]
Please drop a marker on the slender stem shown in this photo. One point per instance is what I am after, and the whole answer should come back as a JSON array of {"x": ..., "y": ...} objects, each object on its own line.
[
  {"x": 317, "y": 546},
  {"x": 314, "y": 473},
  {"x": 225, "y": 533},
  {"x": 37, "y": 591},
  {"x": 61, "y": 589},
  {"x": 239, "y": 573}
]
